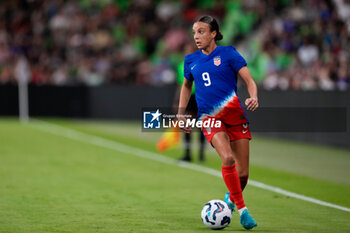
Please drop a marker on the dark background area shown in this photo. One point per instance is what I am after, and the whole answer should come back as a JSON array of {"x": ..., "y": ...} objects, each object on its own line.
[{"x": 126, "y": 103}]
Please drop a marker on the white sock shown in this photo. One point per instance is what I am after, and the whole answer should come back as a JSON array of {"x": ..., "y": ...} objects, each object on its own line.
[{"x": 240, "y": 211}]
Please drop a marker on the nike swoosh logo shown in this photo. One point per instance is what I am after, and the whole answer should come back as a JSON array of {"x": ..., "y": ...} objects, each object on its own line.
[
  {"x": 244, "y": 131},
  {"x": 193, "y": 67}
]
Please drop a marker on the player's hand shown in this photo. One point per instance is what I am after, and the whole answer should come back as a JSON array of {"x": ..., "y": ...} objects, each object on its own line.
[
  {"x": 184, "y": 129},
  {"x": 252, "y": 103}
]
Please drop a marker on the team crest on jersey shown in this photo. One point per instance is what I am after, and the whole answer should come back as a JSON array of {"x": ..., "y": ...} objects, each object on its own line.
[{"x": 217, "y": 61}]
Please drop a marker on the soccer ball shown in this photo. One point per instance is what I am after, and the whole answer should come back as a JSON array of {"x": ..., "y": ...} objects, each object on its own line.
[{"x": 216, "y": 214}]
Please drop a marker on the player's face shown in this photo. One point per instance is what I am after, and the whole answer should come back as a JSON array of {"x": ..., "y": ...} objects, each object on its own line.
[{"x": 202, "y": 35}]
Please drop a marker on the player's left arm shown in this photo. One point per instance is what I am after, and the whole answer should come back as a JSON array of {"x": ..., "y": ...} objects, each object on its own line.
[{"x": 252, "y": 102}]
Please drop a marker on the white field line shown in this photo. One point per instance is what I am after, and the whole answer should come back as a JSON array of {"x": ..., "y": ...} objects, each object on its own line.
[{"x": 116, "y": 146}]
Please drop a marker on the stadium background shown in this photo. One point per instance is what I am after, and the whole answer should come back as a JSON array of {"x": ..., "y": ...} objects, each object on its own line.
[
  {"x": 93, "y": 65},
  {"x": 96, "y": 59}
]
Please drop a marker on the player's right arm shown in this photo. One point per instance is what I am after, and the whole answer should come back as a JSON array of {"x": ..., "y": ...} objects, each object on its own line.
[{"x": 185, "y": 94}]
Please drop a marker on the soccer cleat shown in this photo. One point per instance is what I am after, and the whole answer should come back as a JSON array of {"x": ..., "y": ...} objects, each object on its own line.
[
  {"x": 230, "y": 204},
  {"x": 247, "y": 221},
  {"x": 186, "y": 158}
]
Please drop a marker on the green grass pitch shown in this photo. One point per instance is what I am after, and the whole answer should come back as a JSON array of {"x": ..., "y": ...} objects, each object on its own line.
[{"x": 51, "y": 183}]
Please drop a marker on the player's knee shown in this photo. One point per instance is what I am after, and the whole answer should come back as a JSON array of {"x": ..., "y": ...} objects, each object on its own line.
[{"x": 228, "y": 159}]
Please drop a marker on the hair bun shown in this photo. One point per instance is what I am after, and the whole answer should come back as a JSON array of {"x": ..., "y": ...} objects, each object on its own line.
[{"x": 218, "y": 36}]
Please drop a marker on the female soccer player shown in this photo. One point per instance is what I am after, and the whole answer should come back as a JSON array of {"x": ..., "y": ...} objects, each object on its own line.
[{"x": 214, "y": 70}]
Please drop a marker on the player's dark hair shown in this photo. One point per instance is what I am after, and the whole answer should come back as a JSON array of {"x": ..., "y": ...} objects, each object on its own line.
[{"x": 214, "y": 26}]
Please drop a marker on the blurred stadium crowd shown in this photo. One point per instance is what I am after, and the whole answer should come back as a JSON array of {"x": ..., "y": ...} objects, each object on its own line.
[
  {"x": 308, "y": 47},
  {"x": 288, "y": 44}
]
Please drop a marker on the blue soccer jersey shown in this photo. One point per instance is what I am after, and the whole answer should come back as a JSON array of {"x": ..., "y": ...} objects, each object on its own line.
[{"x": 215, "y": 77}]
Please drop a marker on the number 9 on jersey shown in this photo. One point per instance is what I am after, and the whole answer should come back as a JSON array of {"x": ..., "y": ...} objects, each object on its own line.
[{"x": 206, "y": 79}]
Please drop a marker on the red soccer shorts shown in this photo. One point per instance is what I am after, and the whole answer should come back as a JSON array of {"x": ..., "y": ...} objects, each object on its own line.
[{"x": 235, "y": 132}]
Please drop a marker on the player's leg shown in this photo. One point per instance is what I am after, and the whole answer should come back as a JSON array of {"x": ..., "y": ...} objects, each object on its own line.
[
  {"x": 187, "y": 145},
  {"x": 201, "y": 147},
  {"x": 221, "y": 143},
  {"x": 240, "y": 149},
  {"x": 192, "y": 104}
]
